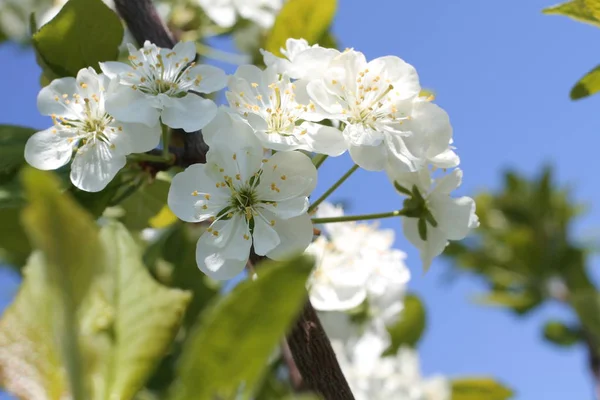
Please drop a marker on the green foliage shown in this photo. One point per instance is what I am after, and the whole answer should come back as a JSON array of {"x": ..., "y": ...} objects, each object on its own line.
[
  {"x": 308, "y": 19},
  {"x": 234, "y": 339},
  {"x": 12, "y": 146},
  {"x": 409, "y": 329},
  {"x": 83, "y": 33},
  {"x": 145, "y": 203},
  {"x": 587, "y": 306},
  {"x": 581, "y": 10},
  {"x": 479, "y": 389},
  {"x": 88, "y": 290},
  {"x": 561, "y": 334},
  {"x": 588, "y": 85},
  {"x": 523, "y": 243},
  {"x": 14, "y": 243}
]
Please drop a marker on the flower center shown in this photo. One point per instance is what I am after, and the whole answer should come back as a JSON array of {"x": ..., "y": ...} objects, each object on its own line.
[{"x": 158, "y": 76}]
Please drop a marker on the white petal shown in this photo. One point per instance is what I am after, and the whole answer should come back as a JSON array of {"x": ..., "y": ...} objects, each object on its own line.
[
  {"x": 433, "y": 247},
  {"x": 287, "y": 175},
  {"x": 295, "y": 235},
  {"x": 455, "y": 217},
  {"x": 449, "y": 182},
  {"x": 371, "y": 158},
  {"x": 222, "y": 13},
  {"x": 129, "y": 105},
  {"x": 112, "y": 69},
  {"x": 324, "y": 139},
  {"x": 328, "y": 102},
  {"x": 212, "y": 78},
  {"x": 50, "y": 99},
  {"x": 229, "y": 130},
  {"x": 190, "y": 187},
  {"x": 311, "y": 63},
  {"x": 134, "y": 138},
  {"x": 211, "y": 261},
  {"x": 336, "y": 298},
  {"x": 48, "y": 150},
  {"x": 94, "y": 166},
  {"x": 184, "y": 50},
  {"x": 288, "y": 208},
  {"x": 190, "y": 113},
  {"x": 264, "y": 236},
  {"x": 403, "y": 75},
  {"x": 90, "y": 83}
]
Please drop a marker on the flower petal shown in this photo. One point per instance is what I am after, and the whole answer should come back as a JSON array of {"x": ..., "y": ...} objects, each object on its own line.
[
  {"x": 295, "y": 234},
  {"x": 288, "y": 208},
  {"x": 403, "y": 76},
  {"x": 324, "y": 139},
  {"x": 287, "y": 175},
  {"x": 134, "y": 138},
  {"x": 211, "y": 79},
  {"x": 190, "y": 113},
  {"x": 113, "y": 69},
  {"x": 94, "y": 166},
  {"x": 371, "y": 158},
  {"x": 211, "y": 261},
  {"x": 50, "y": 99},
  {"x": 264, "y": 237},
  {"x": 184, "y": 50},
  {"x": 129, "y": 105},
  {"x": 187, "y": 195},
  {"x": 49, "y": 149},
  {"x": 456, "y": 217},
  {"x": 433, "y": 247}
]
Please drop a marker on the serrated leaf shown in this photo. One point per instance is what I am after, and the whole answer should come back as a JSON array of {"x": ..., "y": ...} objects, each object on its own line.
[
  {"x": 588, "y": 85},
  {"x": 146, "y": 315},
  {"x": 411, "y": 325},
  {"x": 83, "y": 33},
  {"x": 12, "y": 147},
  {"x": 478, "y": 389},
  {"x": 576, "y": 9},
  {"x": 233, "y": 340},
  {"x": 307, "y": 19}
]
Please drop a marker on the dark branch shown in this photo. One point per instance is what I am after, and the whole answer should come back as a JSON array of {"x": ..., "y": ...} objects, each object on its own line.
[{"x": 144, "y": 23}]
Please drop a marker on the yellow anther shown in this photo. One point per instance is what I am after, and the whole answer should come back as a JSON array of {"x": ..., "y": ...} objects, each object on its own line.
[
  {"x": 259, "y": 97},
  {"x": 215, "y": 233},
  {"x": 254, "y": 84},
  {"x": 238, "y": 177},
  {"x": 207, "y": 196},
  {"x": 234, "y": 156},
  {"x": 283, "y": 177},
  {"x": 204, "y": 207},
  {"x": 246, "y": 237},
  {"x": 195, "y": 193},
  {"x": 272, "y": 222},
  {"x": 334, "y": 82},
  {"x": 264, "y": 160},
  {"x": 83, "y": 85}
]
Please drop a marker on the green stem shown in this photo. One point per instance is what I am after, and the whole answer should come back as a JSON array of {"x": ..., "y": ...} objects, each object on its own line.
[
  {"x": 166, "y": 138},
  {"x": 319, "y": 159},
  {"x": 347, "y": 218},
  {"x": 321, "y": 199}
]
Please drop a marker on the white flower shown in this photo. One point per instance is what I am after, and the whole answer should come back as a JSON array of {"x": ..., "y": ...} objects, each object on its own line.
[
  {"x": 268, "y": 101},
  {"x": 301, "y": 61},
  {"x": 82, "y": 125},
  {"x": 386, "y": 121},
  {"x": 250, "y": 200},
  {"x": 357, "y": 262},
  {"x": 441, "y": 217},
  {"x": 225, "y": 12},
  {"x": 372, "y": 376},
  {"x": 163, "y": 83}
]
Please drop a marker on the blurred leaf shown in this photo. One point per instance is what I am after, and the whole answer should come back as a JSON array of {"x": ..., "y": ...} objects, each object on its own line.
[
  {"x": 14, "y": 243},
  {"x": 307, "y": 19},
  {"x": 479, "y": 389},
  {"x": 588, "y": 85},
  {"x": 577, "y": 9},
  {"x": 146, "y": 315},
  {"x": 520, "y": 302},
  {"x": 12, "y": 147},
  {"x": 163, "y": 219},
  {"x": 251, "y": 319},
  {"x": 145, "y": 204},
  {"x": 561, "y": 334},
  {"x": 409, "y": 329},
  {"x": 587, "y": 306},
  {"x": 83, "y": 33},
  {"x": 30, "y": 365},
  {"x": 11, "y": 195}
]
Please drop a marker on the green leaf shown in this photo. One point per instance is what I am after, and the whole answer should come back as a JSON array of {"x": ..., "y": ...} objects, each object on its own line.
[
  {"x": 30, "y": 363},
  {"x": 83, "y": 33},
  {"x": 14, "y": 243},
  {"x": 587, "y": 306},
  {"x": 252, "y": 320},
  {"x": 561, "y": 334},
  {"x": 577, "y": 9},
  {"x": 478, "y": 389},
  {"x": 308, "y": 19},
  {"x": 520, "y": 302},
  {"x": 146, "y": 315},
  {"x": 145, "y": 204},
  {"x": 588, "y": 85},
  {"x": 12, "y": 146},
  {"x": 409, "y": 329}
]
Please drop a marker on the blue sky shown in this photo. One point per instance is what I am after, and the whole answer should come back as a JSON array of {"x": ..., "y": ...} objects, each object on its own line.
[{"x": 503, "y": 72}]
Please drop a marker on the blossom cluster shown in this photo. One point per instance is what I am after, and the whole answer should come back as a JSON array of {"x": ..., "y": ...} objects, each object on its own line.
[{"x": 255, "y": 186}]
